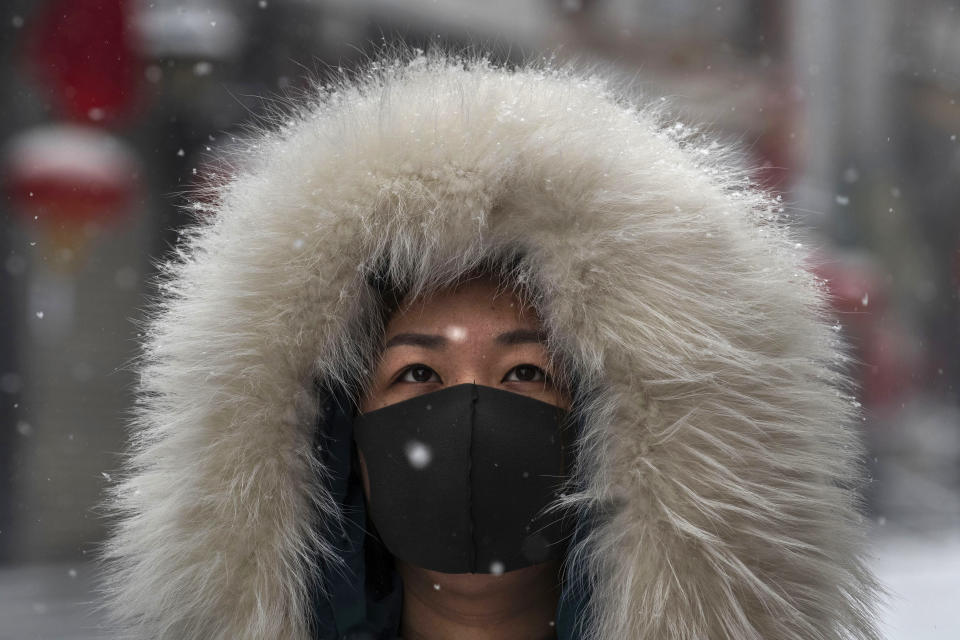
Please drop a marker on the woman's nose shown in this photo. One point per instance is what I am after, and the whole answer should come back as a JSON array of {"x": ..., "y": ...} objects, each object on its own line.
[
  {"x": 475, "y": 378},
  {"x": 471, "y": 367}
]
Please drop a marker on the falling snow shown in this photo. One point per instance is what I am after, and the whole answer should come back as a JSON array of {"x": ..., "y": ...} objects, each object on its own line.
[{"x": 418, "y": 454}]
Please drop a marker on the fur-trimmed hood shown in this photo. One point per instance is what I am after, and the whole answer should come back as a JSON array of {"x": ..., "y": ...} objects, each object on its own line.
[{"x": 718, "y": 459}]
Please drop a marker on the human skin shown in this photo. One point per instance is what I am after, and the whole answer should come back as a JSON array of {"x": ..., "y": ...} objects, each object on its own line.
[{"x": 518, "y": 604}]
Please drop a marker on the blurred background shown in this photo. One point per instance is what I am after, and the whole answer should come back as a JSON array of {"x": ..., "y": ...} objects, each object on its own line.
[{"x": 111, "y": 107}]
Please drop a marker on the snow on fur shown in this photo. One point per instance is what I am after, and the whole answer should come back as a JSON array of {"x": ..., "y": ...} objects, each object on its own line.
[{"x": 720, "y": 440}]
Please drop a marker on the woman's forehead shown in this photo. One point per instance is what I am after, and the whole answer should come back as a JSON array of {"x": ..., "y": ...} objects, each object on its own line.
[{"x": 473, "y": 307}]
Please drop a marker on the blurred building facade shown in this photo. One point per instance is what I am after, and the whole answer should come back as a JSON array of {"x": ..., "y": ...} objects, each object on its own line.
[{"x": 848, "y": 109}]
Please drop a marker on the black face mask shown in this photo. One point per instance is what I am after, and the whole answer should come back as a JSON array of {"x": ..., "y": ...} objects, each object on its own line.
[{"x": 459, "y": 477}]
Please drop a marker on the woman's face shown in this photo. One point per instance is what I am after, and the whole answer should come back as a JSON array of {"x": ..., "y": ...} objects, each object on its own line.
[{"x": 468, "y": 334}]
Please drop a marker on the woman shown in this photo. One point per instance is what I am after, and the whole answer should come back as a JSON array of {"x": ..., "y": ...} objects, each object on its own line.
[
  {"x": 448, "y": 481},
  {"x": 694, "y": 471}
]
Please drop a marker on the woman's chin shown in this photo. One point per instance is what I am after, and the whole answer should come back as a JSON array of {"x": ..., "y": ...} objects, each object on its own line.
[{"x": 475, "y": 583}]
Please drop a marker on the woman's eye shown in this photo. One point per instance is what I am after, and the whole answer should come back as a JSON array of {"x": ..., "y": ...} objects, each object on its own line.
[
  {"x": 526, "y": 373},
  {"x": 417, "y": 373}
]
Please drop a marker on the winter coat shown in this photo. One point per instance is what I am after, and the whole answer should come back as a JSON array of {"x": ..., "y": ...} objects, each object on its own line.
[{"x": 718, "y": 458}]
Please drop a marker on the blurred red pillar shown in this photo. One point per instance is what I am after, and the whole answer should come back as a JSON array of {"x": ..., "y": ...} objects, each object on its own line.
[{"x": 84, "y": 51}]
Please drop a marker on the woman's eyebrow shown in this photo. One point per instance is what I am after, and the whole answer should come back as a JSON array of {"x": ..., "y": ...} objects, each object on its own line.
[
  {"x": 434, "y": 341},
  {"x": 430, "y": 341},
  {"x": 520, "y": 336}
]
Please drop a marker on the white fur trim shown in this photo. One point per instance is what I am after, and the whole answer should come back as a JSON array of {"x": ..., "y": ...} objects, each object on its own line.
[{"x": 720, "y": 439}]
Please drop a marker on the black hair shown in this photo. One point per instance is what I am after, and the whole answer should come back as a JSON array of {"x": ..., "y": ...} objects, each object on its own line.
[{"x": 392, "y": 292}]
